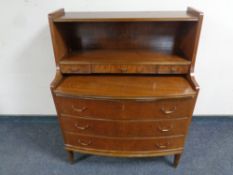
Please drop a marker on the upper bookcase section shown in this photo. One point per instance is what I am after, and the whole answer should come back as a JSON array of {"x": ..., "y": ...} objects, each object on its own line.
[
  {"x": 125, "y": 42},
  {"x": 126, "y": 16}
]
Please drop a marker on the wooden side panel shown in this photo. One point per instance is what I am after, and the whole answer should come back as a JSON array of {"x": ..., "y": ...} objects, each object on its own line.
[
  {"x": 59, "y": 45},
  {"x": 188, "y": 38}
]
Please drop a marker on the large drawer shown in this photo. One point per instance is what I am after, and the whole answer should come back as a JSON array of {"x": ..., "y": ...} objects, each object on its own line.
[
  {"x": 160, "y": 109},
  {"x": 126, "y": 109},
  {"x": 124, "y": 128},
  {"x": 120, "y": 144},
  {"x": 88, "y": 108}
]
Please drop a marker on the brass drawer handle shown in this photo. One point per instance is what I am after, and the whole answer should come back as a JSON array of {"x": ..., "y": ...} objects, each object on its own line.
[
  {"x": 163, "y": 146},
  {"x": 165, "y": 129},
  {"x": 78, "y": 109},
  {"x": 84, "y": 143},
  {"x": 173, "y": 69},
  {"x": 123, "y": 69},
  {"x": 81, "y": 127},
  {"x": 167, "y": 111}
]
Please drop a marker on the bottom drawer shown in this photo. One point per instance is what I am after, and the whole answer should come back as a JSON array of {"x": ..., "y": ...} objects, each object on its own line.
[{"x": 123, "y": 144}]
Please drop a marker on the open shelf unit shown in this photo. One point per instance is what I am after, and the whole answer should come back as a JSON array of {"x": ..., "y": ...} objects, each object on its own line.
[{"x": 101, "y": 41}]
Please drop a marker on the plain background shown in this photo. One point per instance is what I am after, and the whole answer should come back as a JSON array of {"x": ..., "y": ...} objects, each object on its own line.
[{"x": 27, "y": 62}]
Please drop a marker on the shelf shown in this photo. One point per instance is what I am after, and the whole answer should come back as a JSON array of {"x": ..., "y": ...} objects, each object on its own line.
[
  {"x": 125, "y": 16},
  {"x": 123, "y": 61},
  {"x": 125, "y": 87},
  {"x": 124, "y": 56}
]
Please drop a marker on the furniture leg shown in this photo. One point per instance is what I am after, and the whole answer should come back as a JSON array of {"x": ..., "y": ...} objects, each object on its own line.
[
  {"x": 71, "y": 156},
  {"x": 176, "y": 159}
]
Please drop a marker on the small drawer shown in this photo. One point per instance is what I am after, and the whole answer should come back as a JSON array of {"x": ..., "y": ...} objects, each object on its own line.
[
  {"x": 120, "y": 69},
  {"x": 124, "y": 128},
  {"x": 172, "y": 69},
  {"x": 145, "y": 69},
  {"x": 88, "y": 108},
  {"x": 123, "y": 69},
  {"x": 179, "y": 69},
  {"x": 123, "y": 144},
  {"x": 75, "y": 68},
  {"x": 161, "y": 109}
]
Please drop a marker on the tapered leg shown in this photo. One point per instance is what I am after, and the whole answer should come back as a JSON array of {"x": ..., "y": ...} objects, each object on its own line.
[
  {"x": 71, "y": 156},
  {"x": 177, "y": 159}
]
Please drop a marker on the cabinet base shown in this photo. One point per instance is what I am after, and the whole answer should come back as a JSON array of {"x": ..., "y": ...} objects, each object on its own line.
[{"x": 177, "y": 154}]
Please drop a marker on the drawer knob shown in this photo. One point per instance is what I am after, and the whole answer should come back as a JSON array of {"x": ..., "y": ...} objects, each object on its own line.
[
  {"x": 84, "y": 143},
  {"x": 163, "y": 146},
  {"x": 163, "y": 129},
  {"x": 81, "y": 127},
  {"x": 168, "y": 111},
  {"x": 78, "y": 109}
]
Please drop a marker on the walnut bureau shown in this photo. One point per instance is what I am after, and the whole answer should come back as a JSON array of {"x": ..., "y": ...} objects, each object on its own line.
[{"x": 124, "y": 83}]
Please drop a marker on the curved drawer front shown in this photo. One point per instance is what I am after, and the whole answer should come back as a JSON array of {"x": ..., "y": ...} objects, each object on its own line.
[
  {"x": 124, "y": 128},
  {"x": 104, "y": 143},
  {"x": 161, "y": 109},
  {"x": 126, "y": 109},
  {"x": 88, "y": 107}
]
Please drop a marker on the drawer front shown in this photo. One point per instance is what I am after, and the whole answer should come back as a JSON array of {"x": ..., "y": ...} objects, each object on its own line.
[
  {"x": 88, "y": 108},
  {"x": 161, "y": 109},
  {"x": 168, "y": 69},
  {"x": 79, "y": 68},
  {"x": 124, "y": 128},
  {"x": 119, "y": 144},
  {"x": 126, "y": 110},
  {"x": 123, "y": 69}
]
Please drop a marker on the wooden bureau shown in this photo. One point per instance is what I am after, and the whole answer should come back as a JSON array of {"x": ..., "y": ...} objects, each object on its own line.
[{"x": 124, "y": 84}]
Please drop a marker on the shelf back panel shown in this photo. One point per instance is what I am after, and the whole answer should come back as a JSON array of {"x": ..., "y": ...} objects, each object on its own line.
[{"x": 156, "y": 36}]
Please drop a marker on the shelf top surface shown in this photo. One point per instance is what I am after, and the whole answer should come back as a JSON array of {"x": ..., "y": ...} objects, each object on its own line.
[
  {"x": 123, "y": 56},
  {"x": 126, "y": 16},
  {"x": 125, "y": 87}
]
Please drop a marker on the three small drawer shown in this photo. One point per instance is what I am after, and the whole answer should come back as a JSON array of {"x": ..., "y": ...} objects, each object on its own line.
[{"x": 122, "y": 68}]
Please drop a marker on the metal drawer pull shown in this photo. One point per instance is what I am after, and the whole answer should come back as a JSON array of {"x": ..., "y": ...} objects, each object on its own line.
[
  {"x": 83, "y": 143},
  {"x": 165, "y": 129},
  {"x": 123, "y": 69},
  {"x": 165, "y": 111},
  {"x": 78, "y": 109},
  {"x": 163, "y": 146},
  {"x": 81, "y": 127}
]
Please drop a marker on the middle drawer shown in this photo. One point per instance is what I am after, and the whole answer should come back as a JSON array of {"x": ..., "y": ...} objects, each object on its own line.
[{"x": 122, "y": 128}]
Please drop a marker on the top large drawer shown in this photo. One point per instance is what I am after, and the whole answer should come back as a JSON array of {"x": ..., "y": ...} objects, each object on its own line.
[{"x": 125, "y": 109}]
